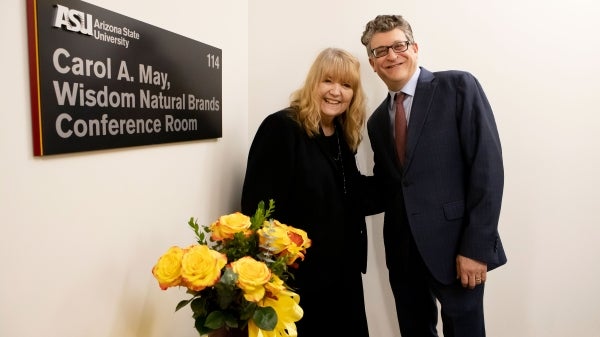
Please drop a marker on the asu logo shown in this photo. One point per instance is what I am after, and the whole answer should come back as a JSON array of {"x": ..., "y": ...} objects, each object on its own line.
[{"x": 73, "y": 20}]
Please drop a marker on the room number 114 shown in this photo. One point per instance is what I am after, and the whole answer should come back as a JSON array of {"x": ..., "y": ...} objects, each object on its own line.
[{"x": 213, "y": 61}]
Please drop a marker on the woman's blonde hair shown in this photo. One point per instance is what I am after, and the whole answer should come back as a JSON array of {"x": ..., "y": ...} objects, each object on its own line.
[{"x": 337, "y": 65}]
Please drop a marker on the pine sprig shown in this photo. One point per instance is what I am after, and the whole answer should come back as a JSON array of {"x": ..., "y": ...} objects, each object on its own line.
[
  {"x": 261, "y": 214},
  {"x": 200, "y": 237}
]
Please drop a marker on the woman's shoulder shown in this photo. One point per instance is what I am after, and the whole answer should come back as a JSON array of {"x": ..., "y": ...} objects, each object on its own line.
[
  {"x": 282, "y": 118},
  {"x": 278, "y": 130}
]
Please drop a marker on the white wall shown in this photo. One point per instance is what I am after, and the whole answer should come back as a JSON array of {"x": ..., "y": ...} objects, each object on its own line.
[{"x": 80, "y": 232}]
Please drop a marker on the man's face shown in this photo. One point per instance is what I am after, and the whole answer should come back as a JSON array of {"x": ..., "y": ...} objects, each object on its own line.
[{"x": 395, "y": 69}]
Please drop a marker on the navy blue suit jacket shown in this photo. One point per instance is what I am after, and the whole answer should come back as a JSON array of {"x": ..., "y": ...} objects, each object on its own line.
[{"x": 450, "y": 190}]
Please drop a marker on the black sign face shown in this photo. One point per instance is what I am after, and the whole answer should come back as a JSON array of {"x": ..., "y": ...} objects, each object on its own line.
[{"x": 101, "y": 80}]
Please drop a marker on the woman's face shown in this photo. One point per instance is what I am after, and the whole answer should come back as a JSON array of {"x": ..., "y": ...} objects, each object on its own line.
[{"x": 335, "y": 98}]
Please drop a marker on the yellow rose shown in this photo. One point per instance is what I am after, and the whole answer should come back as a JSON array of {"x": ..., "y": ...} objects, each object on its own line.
[
  {"x": 201, "y": 267},
  {"x": 252, "y": 277},
  {"x": 167, "y": 270},
  {"x": 286, "y": 240},
  {"x": 273, "y": 236},
  {"x": 228, "y": 225}
]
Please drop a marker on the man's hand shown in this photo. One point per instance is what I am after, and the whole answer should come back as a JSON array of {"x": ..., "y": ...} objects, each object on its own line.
[{"x": 470, "y": 272}]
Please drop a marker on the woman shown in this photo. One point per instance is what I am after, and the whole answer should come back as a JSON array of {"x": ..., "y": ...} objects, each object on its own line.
[{"x": 303, "y": 158}]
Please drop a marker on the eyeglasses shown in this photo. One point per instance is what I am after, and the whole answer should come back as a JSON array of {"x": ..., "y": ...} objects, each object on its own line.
[{"x": 397, "y": 47}]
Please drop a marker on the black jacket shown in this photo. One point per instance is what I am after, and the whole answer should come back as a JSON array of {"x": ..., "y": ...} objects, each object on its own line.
[{"x": 307, "y": 184}]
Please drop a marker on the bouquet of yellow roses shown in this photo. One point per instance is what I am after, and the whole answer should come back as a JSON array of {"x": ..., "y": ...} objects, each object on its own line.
[{"x": 236, "y": 276}]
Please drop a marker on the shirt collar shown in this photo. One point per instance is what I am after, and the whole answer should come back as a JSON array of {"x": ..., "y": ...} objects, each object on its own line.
[{"x": 410, "y": 87}]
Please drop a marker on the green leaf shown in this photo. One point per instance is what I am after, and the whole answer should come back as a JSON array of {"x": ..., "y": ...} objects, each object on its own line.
[
  {"x": 199, "y": 236},
  {"x": 226, "y": 289},
  {"x": 229, "y": 277},
  {"x": 182, "y": 304},
  {"x": 199, "y": 306},
  {"x": 271, "y": 208},
  {"x": 215, "y": 320},
  {"x": 247, "y": 310},
  {"x": 231, "y": 320},
  {"x": 225, "y": 295},
  {"x": 199, "y": 325},
  {"x": 265, "y": 318},
  {"x": 279, "y": 267},
  {"x": 193, "y": 224},
  {"x": 239, "y": 246},
  {"x": 259, "y": 216}
]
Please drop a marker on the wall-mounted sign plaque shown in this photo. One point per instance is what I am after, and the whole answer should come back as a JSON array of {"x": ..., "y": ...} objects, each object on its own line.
[{"x": 101, "y": 80}]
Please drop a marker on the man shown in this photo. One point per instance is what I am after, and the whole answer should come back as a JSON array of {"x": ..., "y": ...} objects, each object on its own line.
[{"x": 442, "y": 177}]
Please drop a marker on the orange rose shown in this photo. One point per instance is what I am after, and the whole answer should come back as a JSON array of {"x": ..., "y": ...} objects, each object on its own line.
[{"x": 300, "y": 243}]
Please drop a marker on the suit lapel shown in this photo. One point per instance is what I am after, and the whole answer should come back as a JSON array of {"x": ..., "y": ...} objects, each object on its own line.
[
  {"x": 424, "y": 95},
  {"x": 384, "y": 125}
]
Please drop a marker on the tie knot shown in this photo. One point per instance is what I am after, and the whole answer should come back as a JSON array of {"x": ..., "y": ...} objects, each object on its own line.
[{"x": 400, "y": 97}]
